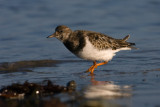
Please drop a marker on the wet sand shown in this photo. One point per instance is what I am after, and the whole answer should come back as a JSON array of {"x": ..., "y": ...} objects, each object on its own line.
[{"x": 95, "y": 92}]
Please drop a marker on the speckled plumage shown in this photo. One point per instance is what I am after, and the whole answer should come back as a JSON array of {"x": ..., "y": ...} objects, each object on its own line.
[
  {"x": 91, "y": 45},
  {"x": 75, "y": 40}
]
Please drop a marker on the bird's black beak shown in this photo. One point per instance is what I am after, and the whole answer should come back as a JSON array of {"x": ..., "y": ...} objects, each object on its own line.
[{"x": 51, "y": 36}]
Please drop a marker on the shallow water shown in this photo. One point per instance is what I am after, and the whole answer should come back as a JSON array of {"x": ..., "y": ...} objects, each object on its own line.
[{"x": 26, "y": 24}]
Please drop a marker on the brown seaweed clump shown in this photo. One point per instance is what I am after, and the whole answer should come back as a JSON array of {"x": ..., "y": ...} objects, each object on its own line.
[{"x": 18, "y": 91}]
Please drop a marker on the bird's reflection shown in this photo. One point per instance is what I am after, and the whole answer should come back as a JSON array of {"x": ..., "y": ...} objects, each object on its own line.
[
  {"x": 95, "y": 82},
  {"x": 106, "y": 89}
]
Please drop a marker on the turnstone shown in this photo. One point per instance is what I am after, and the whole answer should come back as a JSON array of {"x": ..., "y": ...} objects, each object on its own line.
[{"x": 91, "y": 45}]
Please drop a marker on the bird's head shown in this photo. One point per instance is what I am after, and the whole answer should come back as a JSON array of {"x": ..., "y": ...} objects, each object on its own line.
[{"x": 62, "y": 33}]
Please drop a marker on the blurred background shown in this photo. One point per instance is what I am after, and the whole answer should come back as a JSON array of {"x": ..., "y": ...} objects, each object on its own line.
[{"x": 25, "y": 24}]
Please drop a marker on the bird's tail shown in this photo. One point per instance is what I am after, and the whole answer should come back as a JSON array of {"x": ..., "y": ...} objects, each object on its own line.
[{"x": 126, "y": 38}]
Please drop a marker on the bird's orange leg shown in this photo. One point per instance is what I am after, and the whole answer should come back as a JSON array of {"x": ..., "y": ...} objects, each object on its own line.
[
  {"x": 102, "y": 63},
  {"x": 91, "y": 69}
]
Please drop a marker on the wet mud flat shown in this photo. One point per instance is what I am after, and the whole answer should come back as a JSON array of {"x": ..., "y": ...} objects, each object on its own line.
[
  {"x": 26, "y": 65},
  {"x": 47, "y": 93},
  {"x": 113, "y": 88}
]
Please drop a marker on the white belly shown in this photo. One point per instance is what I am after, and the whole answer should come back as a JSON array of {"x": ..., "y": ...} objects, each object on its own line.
[{"x": 89, "y": 52}]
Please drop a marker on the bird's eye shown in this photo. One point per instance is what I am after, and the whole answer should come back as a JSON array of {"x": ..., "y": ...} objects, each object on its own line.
[{"x": 60, "y": 31}]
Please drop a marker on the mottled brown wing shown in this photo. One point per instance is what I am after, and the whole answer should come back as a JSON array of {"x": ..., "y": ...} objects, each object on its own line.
[{"x": 101, "y": 41}]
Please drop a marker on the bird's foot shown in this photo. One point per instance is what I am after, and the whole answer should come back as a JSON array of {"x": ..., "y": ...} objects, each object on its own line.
[
  {"x": 95, "y": 65},
  {"x": 91, "y": 69}
]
